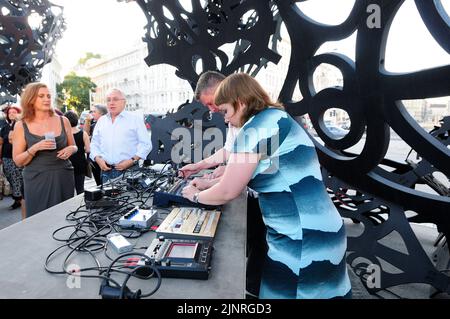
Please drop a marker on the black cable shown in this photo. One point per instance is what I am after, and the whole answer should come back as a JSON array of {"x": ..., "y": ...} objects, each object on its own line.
[
  {"x": 148, "y": 264},
  {"x": 90, "y": 227}
]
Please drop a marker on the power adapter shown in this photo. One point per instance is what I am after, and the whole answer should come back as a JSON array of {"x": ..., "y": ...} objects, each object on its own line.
[
  {"x": 92, "y": 194},
  {"x": 119, "y": 243},
  {"x": 108, "y": 292},
  {"x": 111, "y": 191},
  {"x": 134, "y": 179}
]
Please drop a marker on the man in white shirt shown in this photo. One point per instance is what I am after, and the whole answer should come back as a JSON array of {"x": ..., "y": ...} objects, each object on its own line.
[{"x": 120, "y": 138}]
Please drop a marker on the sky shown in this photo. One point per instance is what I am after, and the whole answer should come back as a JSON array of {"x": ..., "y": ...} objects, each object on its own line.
[
  {"x": 106, "y": 26},
  {"x": 98, "y": 26}
]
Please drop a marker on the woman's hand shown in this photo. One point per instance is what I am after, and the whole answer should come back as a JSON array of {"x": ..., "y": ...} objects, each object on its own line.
[
  {"x": 66, "y": 152},
  {"x": 200, "y": 183},
  {"x": 43, "y": 145},
  {"x": 216, "y": 173},
  {"x": 189, "y": 192},
  {"x": 188, "y": 170}
]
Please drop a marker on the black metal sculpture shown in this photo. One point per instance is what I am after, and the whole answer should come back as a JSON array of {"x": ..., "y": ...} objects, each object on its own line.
[
  {"x": 184, "y": 136},
  {"x": 25, "y": 50},
  {"x": 382, "y": 218},
  {"x": 372, "y": 98},
  {"x": 370, "y": 95},
  {"x": 182, "y": 36}
]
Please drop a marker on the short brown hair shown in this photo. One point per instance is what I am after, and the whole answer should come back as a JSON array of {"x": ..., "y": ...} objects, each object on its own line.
[
  {"x": 241, "y": 87},
  {"x": 207, "y": 81},
  {"x": 28, "y": 97}
]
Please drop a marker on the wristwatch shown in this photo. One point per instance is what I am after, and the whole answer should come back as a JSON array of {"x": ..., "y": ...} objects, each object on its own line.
[
  {"x": 135, "y": 161},
  {"x": 195, "y": 198}
]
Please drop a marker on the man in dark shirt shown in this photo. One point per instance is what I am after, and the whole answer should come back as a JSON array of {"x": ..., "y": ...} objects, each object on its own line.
[{"x": 96, "y": 113}]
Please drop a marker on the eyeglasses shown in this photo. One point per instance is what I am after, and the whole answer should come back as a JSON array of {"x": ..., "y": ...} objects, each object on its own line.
[{"x": 114, "y": 99}]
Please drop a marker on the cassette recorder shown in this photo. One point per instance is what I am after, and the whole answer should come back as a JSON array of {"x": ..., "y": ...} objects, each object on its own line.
[{"x": 180, "y": 258}]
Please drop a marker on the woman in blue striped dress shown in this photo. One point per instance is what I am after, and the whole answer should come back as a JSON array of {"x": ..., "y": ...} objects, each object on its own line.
[{"x": 274, "y": 156}]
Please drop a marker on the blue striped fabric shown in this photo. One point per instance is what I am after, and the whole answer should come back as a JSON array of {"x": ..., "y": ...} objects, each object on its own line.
[{"x": 305, "y": 233}]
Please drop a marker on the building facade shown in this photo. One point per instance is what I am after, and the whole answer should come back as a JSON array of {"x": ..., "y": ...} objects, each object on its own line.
[
  {"x": 153, "y": 89},
  {"x": 157, "y": 89},
  {"x": 52, "y": 75},
  {"x": 436, "y": 111},
  {"x": 417, "y": 109}
]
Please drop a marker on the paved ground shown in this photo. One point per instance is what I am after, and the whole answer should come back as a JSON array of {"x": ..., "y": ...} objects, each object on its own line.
[
  {"x": 8, "y": 216},
  {"x": 427, "y": 236}
]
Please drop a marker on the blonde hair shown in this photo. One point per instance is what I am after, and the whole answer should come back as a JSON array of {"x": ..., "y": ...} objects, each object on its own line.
[
  {"x": 28, "y": 98},
  {"x": 241, "y": 87}
]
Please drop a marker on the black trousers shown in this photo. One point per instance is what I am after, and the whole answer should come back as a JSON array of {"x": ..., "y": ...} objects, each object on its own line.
[
  {"x": 256, "y": 245},
  {"x": 79, "y": 183},
  {"x": 96, "y": 172}
]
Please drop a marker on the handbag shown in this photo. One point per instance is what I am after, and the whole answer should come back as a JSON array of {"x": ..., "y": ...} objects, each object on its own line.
[
  {"x": 88, "y": 172},
  {"x": 2, "y": 181},
  {"x": 5, "y": 187}
]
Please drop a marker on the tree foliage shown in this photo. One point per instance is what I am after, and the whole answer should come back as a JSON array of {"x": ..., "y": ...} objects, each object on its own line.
[
  {"x": 74, "y": 91},
  {"x": 87, "y": 57}
]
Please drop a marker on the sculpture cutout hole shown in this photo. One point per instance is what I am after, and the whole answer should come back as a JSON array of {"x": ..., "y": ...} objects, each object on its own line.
[
  {"x": 444, "y": 7},
  {"x": 203, "y": 3},
  {"x": 3, "y": 40},
  {"x": 404, "y": 52},
  {"x": 439, "y": 176},
  {"x": 5, "y": 11},
  {"x": 228, "y": 49},
  {"x": 326, "y": 11},
  {"x": 327, "y": 76},
  {"x": 345, "y": 46},
  {"x": 167, "y": 13},
  {"x": 34, "y": 20},
  {"x": 186, "y": 5},
  {"x": 154, "y": 30},
  {"x": 56, "y": 10},
  {"x": 248, "y": 20},
  {"x": 336, "y": 123},
  {"x": 197, "y": 61}
]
